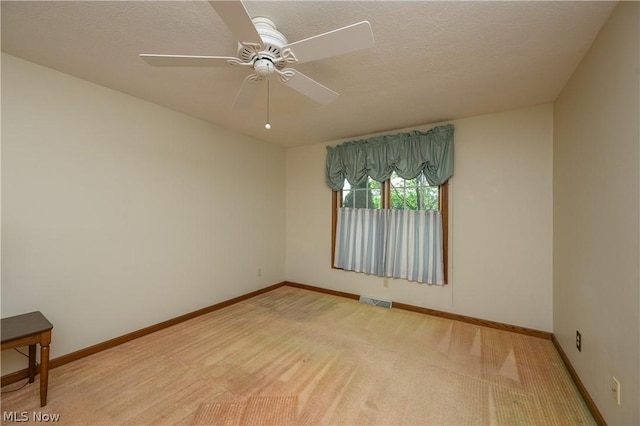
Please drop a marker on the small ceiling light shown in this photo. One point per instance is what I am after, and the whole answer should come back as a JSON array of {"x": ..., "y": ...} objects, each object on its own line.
[
  {"x": 264, "y": 67},
  {"x": 267, "y": 126}
]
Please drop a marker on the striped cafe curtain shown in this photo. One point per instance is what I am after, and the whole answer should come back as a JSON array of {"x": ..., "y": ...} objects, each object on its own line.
[
  {"x": 393, "y": 243},
  {"x": 360, "y": 236}
]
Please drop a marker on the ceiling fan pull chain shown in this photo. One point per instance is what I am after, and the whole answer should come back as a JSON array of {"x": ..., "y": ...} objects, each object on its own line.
[{"x": 268, "y": 123}]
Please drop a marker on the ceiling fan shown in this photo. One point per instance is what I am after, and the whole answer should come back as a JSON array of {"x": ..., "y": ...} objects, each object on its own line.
[{"x": 266, "y": 51}]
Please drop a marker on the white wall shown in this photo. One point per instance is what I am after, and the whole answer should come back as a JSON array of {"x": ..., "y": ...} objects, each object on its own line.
[
  {"x": 596, "y": 216},
  {"x": 501, "y": 223},
  {"x": 119, "y": 214}
]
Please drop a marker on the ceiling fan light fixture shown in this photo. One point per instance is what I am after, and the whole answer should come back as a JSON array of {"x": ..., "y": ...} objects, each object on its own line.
[{"x": 263, "y": 67}]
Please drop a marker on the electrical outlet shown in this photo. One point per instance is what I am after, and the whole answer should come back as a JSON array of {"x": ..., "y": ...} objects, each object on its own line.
[
  {"x": 615, "y": 388},
  {"x": 385, "y": 282},
  {"x": 259, "y": 272},
  {"x": 578, "y": 341}
]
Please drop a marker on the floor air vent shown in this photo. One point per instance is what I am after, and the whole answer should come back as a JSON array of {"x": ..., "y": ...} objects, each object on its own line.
[{"x": 375, "y": 302}]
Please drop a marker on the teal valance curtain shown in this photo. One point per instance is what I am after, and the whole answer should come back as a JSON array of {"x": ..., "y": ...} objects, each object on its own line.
[{"x": 408, "y": 154}]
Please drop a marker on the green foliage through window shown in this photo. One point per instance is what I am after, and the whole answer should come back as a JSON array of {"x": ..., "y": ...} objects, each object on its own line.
[
  {"x": 366, "y": 195},
  {"x": 405, "y": 194},
  {"x": 413, "y": 194}
]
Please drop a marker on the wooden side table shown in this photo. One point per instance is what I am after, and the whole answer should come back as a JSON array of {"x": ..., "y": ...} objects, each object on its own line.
[{"x": 30, "y": 329}]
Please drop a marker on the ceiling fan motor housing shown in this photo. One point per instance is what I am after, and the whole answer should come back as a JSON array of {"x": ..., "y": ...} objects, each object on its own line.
[{"x": 272, "y": 39}]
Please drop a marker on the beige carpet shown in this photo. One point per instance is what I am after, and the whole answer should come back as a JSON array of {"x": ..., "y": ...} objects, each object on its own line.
[
  {"x": 293, "y": 356},
  {"x": 257, "y": 410}
]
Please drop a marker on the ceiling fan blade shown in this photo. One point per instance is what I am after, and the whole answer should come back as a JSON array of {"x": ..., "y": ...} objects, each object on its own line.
[
  {"x": 237, "y": 19},
  {"x": 308, "y": 87},
  {"x": 337, "y": 42},
  {"x": 247, "y": 93},
  {"x": 185, "y": 60}
]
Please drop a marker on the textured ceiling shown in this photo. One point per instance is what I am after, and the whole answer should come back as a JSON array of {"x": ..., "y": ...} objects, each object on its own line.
[{"x": 432, "y": 61}]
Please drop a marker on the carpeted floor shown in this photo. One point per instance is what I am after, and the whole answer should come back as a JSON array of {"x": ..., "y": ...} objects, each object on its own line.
[
  {"x": 257, "y": 410},
  {"x": 293, "y": 356}
]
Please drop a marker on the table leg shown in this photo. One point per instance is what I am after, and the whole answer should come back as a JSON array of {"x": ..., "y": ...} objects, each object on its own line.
[
  {"x": 45, "y": 340},
  {"x": 32, "y": 362}
]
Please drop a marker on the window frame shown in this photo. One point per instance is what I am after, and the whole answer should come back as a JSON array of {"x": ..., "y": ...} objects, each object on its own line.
[{"x": 443, "y": 204}]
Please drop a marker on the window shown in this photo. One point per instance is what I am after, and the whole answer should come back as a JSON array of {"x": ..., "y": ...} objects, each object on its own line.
[
  {"x": 412, "y": 194},
  {"x": 390, "y": 226},
  {"x": 395, "y": 193},
  {"x": 367, "y": 195}
]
